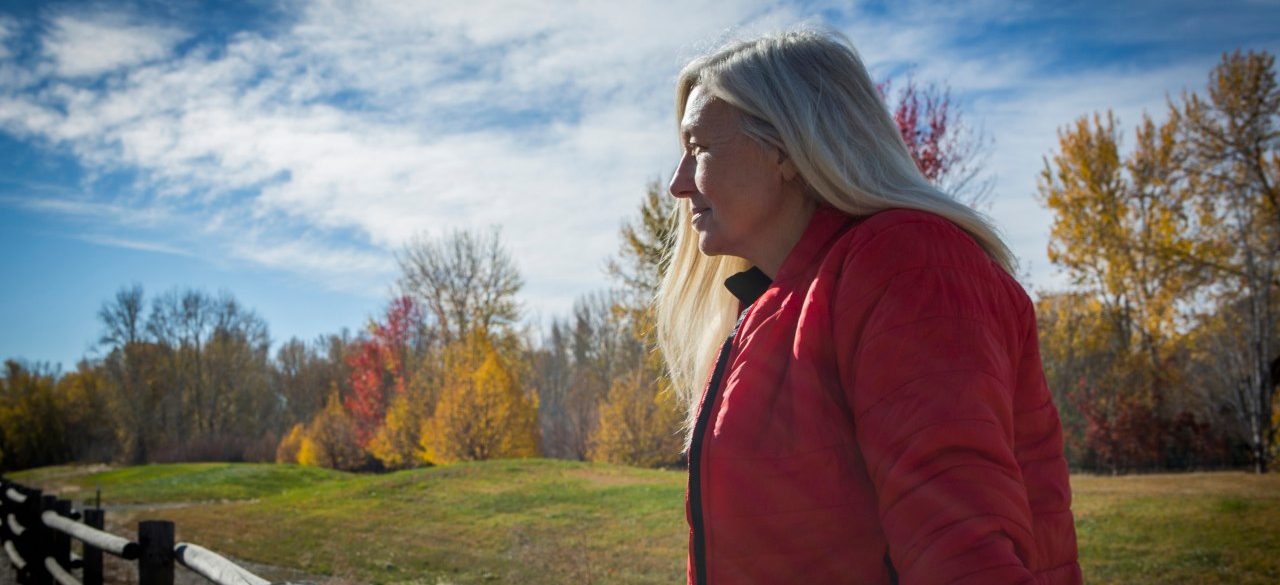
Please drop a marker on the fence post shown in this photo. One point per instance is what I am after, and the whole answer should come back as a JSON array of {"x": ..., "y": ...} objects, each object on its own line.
[
  {"x": 6, "y": 507},
  {"x": 61, "y": 543},
  {"x": 92, "y": 575},
  {"x": 41, "y": 539},
  {"x": 27, "y": 543},
  {"x": 155, "y": 563}
]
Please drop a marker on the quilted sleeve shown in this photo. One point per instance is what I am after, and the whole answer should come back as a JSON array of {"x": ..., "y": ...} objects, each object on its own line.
[{"x": 927, "y": 344}]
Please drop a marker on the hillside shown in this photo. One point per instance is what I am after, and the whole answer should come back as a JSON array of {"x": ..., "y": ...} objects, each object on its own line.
[
  {"x": 527, "y": 521},
  {"x": 544, "y": 521}
]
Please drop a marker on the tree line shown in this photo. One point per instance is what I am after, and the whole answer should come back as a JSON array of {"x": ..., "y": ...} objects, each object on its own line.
[{"x": 446, "y": 373}]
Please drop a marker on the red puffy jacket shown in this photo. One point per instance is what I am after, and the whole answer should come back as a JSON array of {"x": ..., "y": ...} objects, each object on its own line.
[{"x": 880, "y": 415}]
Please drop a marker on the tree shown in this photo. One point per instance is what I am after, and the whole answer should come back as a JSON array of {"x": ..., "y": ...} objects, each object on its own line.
[
  {"x": 134, "y": 391},
  {"x": 330, "y": 440},
  {"x": 563, "y": 423},
  {"x": 1072, "y": 351},
  {"x": 83, "y": 396},
  {"x": 1219, "y": 369},
  {"x": 122, "y": 320},
  {"x": 398, "y": 442},
  {"x": 130, "y": 369},
  {"x": 483, "y": 413},
  {"x": 32, "y": 432},
  {"x": 638, "y": 425},
  {"x": 1119, "y": 228},
  {"x": 947, "y": 151},
  {"x": 291, "y": 445},
  {"x": 240, "y": 406},
  {"x": 380, "y": 366},
  {"x": 1233, "y": 166},
  {"x": 194, "y": 383},
  {"x": 215, "y": 366},
  {"x": 305, "y": 374},
  {"x": 466, "y": 281},
  {"x": 1180, "y": 243},
  {"x": 645, "y": 251}
]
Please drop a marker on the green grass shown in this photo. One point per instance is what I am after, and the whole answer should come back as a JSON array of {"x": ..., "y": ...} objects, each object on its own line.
[
  {"x": 1189, "y": 528},
  {"x": 189, "y": 482},
  {"x": 541, "y": 521}
]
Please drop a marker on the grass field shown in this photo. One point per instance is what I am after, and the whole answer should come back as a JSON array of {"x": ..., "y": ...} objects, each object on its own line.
[{"x": 541, "y": 521}]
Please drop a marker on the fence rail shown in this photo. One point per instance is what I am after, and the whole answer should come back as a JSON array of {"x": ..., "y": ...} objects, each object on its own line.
[
  {"x": 214, "y": 567},
  {"x": 39, "y": 529},
  {"x": 116, "y": 545}
]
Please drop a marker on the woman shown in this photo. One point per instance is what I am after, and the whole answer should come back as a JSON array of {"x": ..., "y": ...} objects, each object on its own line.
[{"x": 866, "y": 399}]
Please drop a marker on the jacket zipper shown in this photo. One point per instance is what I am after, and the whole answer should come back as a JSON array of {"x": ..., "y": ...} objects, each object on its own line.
[{"x": 695, "y": 455}]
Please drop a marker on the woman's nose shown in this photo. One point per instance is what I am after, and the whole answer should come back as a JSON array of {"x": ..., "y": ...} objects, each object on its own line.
[{"x": 682, "y": 181}]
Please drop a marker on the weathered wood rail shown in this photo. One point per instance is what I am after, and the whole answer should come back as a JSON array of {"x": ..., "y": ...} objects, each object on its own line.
[{"x": 38, "y": 530}]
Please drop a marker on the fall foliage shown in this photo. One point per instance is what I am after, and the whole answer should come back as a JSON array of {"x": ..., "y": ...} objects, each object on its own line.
[
  {"x": 330, "y": 440},
  {"x": 948, "y": 152},
  {"x": 639, "y": 424},
  {"x": 1173, "y": 250},
  {"x": 380, "y": 367},
  {"x": 483, "y": 413}
]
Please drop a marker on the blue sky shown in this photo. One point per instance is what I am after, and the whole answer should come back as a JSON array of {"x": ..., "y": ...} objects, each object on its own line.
[{"x": 284, "y": 151}]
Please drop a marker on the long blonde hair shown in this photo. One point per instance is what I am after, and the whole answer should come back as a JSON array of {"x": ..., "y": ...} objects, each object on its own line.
[{"x": 808, "y": 94}]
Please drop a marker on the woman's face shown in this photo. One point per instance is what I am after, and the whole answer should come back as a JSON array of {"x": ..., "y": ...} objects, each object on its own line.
[{"x": 734, "y": 186}]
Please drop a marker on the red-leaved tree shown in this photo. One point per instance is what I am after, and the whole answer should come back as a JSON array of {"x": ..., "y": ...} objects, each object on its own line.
[
  {"x": 948, "y": 152},
  {"x": 380, "y": 366}
]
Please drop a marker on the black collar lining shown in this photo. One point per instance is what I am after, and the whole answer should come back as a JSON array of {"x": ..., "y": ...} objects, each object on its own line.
[{"x": 748, "y": 285}]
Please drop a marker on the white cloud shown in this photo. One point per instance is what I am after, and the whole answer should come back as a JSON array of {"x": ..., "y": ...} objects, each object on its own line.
[
  {"x": 114, "y": 213},
  {"x": 134, "y": 244},
  {"x": 86, "y": 45},
  {"x": 342, "y": 269}
]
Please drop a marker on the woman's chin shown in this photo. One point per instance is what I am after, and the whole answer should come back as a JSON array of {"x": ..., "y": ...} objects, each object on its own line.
[{"x": 708, "y": 245}]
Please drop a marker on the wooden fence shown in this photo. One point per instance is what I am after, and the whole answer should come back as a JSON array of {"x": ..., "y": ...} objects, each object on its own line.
[{"x": 37, "y": 531}]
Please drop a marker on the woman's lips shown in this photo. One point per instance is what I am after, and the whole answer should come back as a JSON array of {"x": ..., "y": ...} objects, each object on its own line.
[{"x": 699, "y": 213}]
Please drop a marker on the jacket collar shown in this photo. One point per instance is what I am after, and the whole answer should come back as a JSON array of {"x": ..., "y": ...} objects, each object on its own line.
[
  {"x": 826, "y": 223},
  {"x": 748, "y": 285}
]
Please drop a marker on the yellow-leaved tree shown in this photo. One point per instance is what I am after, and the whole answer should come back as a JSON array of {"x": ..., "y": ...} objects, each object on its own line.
[
  {"x": 483, "y": 412},
  {"x": 330, "y": 440},
  {"x": 1120, "y": 227},
  {"x": 397, "y": 442},
  {"x": 639, "y": 423},
  {"x": 290, "y": 446}
]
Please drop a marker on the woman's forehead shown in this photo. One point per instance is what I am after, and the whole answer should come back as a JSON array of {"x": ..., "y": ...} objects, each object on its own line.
[{"x": 705, "y": 112}]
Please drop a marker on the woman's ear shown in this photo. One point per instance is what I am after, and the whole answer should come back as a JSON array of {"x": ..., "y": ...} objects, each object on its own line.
[{"x": 787, "y": 166}]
